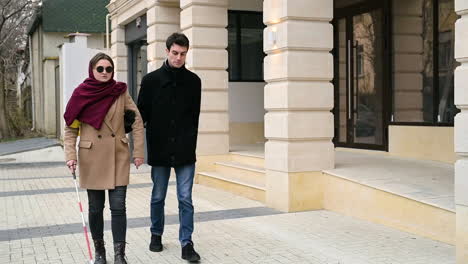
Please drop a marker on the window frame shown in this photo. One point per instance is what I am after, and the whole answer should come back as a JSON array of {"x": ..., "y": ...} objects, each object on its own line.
[{"x": 237, "y": 14}]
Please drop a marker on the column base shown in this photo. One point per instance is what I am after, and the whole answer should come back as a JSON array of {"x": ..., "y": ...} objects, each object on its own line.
[{"x": 294, "y": 192}]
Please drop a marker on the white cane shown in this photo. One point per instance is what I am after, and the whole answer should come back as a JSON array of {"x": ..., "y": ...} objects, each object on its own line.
[{"x": 91, "y": 261}]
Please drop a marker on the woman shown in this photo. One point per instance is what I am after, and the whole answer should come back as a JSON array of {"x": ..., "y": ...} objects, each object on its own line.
[{"x": 96, "y": 113}]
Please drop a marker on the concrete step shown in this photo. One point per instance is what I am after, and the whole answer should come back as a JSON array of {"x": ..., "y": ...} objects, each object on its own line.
[
  {"x": 248, "y": 159},
  {"x": 233, "y": 185},
  {"x": 242, "y": 172},
  {"x": 382, "y": 207}
]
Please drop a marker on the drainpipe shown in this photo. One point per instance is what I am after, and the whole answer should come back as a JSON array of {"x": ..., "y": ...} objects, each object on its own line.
[
  {"x": 107, "y": 34},
  {"x": 32, "y": 85}
]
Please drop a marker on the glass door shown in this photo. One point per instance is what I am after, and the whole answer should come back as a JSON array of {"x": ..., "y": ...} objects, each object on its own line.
[{"x": 361, "y": 64}]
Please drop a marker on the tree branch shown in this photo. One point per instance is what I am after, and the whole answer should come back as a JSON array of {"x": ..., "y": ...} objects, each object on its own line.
[
  {"x": 3, "y": 41},
  {"x": 4, "y": 7},
  {"x": 5, "y": 18},
  {"x": 17, "y": 11}
]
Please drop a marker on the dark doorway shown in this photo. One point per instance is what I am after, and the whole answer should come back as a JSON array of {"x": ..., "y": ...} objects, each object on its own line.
[
  {"x": 362, "y": 77},
  {"x": 137, "y": 68},
  {"x": 135, "y": 38}
]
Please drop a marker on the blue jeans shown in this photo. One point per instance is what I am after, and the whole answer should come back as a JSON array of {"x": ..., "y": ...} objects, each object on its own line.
[{"x": 184, "y": 177}]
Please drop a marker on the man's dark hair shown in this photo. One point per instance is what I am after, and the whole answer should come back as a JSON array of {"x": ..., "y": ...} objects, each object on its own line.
[
  {"x": 100, "y": 56},
  {"x": 177, "y": 38}
]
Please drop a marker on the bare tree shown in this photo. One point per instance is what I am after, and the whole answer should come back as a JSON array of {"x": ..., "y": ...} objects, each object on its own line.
[{"x": 15, "y": 16}]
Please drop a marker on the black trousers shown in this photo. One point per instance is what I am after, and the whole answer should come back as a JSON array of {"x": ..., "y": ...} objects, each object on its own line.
[{"x": 96, "y": 199}]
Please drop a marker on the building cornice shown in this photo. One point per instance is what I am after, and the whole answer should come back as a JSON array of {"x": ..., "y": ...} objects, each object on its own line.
[{"x": 115, "y": 6}]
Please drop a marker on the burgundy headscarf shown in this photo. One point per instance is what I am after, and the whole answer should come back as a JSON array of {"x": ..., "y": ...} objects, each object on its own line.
[{"x": 92, "y": 99}]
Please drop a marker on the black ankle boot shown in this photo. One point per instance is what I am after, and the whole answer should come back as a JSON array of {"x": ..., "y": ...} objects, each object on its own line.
[
  {"x": 189, "y": 253},
  {"x": 99, "y": 252},
  {"x": 119, "y": 250},
  {"x": 155, "y": 245}
]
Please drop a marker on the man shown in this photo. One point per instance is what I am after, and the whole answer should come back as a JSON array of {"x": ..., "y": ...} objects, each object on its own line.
[{"x": 169, "y": 103}]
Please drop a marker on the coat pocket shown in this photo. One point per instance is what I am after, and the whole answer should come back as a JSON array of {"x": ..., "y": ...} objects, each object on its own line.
[
  {"x": 85, "y": 144},
  {"x": 124, "y": 140}
]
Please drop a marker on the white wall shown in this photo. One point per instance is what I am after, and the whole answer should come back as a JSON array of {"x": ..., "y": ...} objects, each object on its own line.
[
  {"x": 246, "y": 102},
  {"x": 36, "y": 74},
  {"x": 52, "y": 40},
  {"x": 97, "y": 41},
  {"x": 74, "y": 62},
  {"x": 45, "y": 50},
  {"x": 49, "y": 103}
]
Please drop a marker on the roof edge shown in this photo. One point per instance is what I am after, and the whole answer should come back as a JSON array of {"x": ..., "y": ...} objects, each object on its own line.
[{"x": 35, "y": 23}]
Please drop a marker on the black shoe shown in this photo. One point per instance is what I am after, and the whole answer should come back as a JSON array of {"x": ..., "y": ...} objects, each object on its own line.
[
  {"x": 99, "y": 252},
  {"x": 189, "y": 253},
  {"x": 156, "y": 245},
  {"x": 119, "y": 250}
]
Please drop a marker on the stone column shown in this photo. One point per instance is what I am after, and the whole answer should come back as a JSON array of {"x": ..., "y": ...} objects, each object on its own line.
[
  {"x": 204, "y": 22},
  {"x": 461, "y": 131},
  {"x": 409, "y": 61},
  {"x": 119, "y": 52},
  {"x": 163, "y": 19},
  {"x": 298, "y": 97}
]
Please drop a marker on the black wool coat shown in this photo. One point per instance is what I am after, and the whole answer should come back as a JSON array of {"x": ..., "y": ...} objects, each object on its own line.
[{"x": 169, "y": 103}]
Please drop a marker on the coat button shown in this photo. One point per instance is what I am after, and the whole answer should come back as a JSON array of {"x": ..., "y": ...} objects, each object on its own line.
[
  {"x": 172, "y": 139},
  {"x": 113, "y": 135},
  {"x": 99, "y": 136}
]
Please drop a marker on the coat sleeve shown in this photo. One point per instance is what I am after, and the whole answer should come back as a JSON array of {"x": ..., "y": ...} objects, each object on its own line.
[
  {"x": 138, "y": 129},
  {"x": 69, "y": 142},
  {"x": 197, "y": 103},
  {"x": 144, "y": 100}
]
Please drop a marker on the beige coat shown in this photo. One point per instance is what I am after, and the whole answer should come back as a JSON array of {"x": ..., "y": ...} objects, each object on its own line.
[{"x": 103, "y": 155}]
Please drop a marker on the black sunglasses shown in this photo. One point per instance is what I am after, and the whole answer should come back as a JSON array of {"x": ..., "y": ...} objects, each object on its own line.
[{"x": 100, "y": 69}]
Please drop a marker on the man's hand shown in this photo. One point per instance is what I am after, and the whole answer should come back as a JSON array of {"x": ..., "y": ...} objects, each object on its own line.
[
  {"x": 71, "y": 164},
  {"x": 138, "y": 162}
]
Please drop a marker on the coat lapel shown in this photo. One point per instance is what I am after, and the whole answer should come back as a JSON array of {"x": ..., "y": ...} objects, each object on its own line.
[{"x": 110, "y": 115}]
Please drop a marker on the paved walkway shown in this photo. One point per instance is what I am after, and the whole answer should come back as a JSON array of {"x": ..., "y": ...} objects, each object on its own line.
[
  {"x": 41, "y": 223},
  {"x": 17, "y": 146}
]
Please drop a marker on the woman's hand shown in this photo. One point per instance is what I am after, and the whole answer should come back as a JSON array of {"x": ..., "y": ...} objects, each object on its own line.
[
  {"x": 138, "y": 162},
  {"x": 71, "y": 164}
]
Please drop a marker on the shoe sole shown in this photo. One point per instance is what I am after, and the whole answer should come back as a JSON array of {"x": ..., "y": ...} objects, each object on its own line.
[
  {"x": 156, "y": 249},
  {"x": 192, "y": 260}
]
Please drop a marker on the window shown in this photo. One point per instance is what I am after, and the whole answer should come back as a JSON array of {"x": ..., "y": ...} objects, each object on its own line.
[
  {"x": 424, "y": 63},
  {"x": 245, "y": 47},
  {"x": 446, "y": 61}
]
